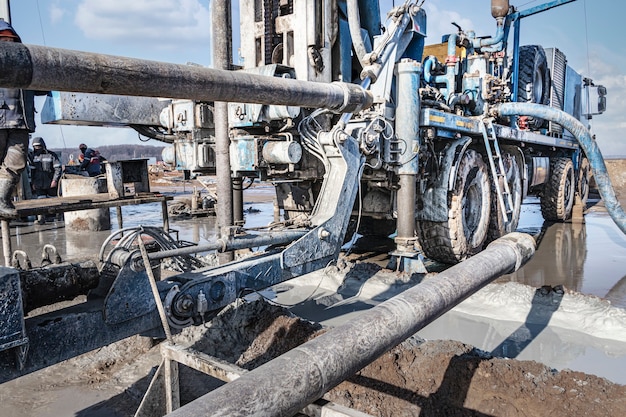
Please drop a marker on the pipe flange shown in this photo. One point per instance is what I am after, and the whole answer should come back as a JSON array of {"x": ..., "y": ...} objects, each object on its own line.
[
  {"x": 355, "y": 98},
  {"x": 522, "y": 244}
]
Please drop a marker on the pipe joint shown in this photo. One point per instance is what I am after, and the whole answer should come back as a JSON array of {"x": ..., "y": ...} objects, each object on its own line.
[
  {"x": 356, "y": 98},
  {"x": 522, "y": 244}
]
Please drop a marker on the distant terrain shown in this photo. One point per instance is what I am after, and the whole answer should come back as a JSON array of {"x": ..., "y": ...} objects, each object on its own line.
[{"x": 114, "y": 152}]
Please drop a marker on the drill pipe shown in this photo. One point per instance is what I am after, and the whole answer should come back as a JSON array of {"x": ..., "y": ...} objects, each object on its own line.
[
  {"x": 295, "y": 379},
  {"x": 41, "y": 68},
  {"x": 234, "y": 243},
  {"x": 58, "y": 282}
]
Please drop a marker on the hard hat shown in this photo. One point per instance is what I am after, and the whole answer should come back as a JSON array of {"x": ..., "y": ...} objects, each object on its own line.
[
  {"x": 7, "y": 30},
  {"x": 38, "y": 141}
]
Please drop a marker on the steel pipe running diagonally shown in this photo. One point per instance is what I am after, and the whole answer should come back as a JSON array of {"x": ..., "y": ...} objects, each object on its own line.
[
  {"x": 41, "y": 68},
  {"x": 295, "y": 379}
]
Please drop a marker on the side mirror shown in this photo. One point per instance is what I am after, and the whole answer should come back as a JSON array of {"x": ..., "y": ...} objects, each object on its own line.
[
  {"x": 601, "y": 104},
  {"x": 595, "y": 97}
]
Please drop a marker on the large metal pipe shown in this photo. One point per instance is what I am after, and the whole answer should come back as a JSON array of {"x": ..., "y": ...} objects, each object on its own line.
[
  {"x": 288, "y": 383},
  {"x": 587, "y": 143},
  {"x": 222, "y": 52},
  {"x": 41, "y": 68},
  {"x": 408, "y": 131}
]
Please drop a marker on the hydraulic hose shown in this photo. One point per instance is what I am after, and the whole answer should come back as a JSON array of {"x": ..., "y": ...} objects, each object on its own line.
[
  {"x": 587, "y": 143},
  {"x": 354, "y": 22}
]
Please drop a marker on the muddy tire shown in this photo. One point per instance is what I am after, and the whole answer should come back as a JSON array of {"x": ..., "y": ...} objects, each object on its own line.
[
  {"x": 584, "y": 179},
  {"x": 557, "y": 198},
  {"x": 497, "y": 226},
  {"x": 464, "y": 234},
  {"x": 534, "y": 79}
]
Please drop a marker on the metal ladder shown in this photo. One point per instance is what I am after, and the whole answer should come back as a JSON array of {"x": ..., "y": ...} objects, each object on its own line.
[{"x": 497, "y": 170}]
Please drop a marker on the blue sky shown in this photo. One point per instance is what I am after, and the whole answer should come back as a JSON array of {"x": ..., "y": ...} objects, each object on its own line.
[{"x": 178, "y": 31}]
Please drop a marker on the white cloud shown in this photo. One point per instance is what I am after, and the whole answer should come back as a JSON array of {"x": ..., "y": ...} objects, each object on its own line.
[
  {"x": 608, "y": 69},
  {"x": 56, "y": 13},
  {"x": 160, "y": 23},
  {"x": 440, "y": 21}
]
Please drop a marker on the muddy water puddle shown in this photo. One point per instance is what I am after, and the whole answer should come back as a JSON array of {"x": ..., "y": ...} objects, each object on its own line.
[{"x": 589, "y": 258}]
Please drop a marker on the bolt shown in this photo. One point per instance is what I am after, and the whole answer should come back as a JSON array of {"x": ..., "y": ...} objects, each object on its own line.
[
  {"x": 342, "y": 137},
  {"x": 323, "y": 234}
]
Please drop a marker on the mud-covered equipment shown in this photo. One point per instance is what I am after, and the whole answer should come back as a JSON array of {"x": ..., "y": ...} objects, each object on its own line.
[{"x": 441, "y": 141}]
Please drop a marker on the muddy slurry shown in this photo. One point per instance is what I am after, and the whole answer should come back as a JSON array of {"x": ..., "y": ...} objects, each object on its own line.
[
  {"x": 425, "y": 378},
  {"x": 416, "y": 378}
]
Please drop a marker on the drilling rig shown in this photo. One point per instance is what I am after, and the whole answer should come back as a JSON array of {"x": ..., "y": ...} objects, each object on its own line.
[{"x": 361, "y": 127}]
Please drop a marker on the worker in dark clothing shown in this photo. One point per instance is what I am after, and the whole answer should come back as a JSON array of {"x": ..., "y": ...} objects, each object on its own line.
[
  {"x": 17, "y": 120},
  {"x": 45, "y": 169},
  {"x": 91, "y": 160}
]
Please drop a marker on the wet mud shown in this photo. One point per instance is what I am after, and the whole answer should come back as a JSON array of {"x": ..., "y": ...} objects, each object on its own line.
[
  {"x": 442, "y": 377},
  {"x": 426, "y": 378}
]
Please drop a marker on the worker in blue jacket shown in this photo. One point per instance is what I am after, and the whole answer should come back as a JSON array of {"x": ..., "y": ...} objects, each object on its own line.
[{"x": 90, "y": 160}]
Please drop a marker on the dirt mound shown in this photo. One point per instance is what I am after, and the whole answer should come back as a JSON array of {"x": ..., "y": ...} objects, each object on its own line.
[
  {"x": 432, "y": 378},
  {"x": 250, "y": 334},
  {"x": 438, "y": 378}
]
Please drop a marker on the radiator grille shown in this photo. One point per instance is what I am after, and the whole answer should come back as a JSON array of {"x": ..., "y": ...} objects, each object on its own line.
[{"x": 557, "y": 64}]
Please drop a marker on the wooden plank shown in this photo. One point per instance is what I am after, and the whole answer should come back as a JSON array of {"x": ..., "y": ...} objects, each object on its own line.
[{"x": 55, "y": 205}]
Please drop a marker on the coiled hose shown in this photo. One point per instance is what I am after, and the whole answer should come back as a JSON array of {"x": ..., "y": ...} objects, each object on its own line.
[{"x": 587, "y": 143}]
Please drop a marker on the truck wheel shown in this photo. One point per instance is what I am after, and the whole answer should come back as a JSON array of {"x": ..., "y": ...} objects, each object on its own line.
[
  {"x": 465, "y": 231},
  {"x": 497, "y": 227},
  {"x": 558, "y": 194},
  {"x": 584, "y": 179},
  {"x": 534, "y": 79}
]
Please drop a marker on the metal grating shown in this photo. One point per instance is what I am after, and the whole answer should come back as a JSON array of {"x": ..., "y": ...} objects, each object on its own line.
[{"x": 557, "y": 64}]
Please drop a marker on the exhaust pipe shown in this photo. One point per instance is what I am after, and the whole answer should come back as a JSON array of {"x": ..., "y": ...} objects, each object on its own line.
[
  {"x": 587, "y": 143},
  {"x": 499, "y": 8},
  {"x": 295, "y": 379}
]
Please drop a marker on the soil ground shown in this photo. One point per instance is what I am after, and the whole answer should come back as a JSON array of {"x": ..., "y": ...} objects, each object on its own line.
[{"x": 425, "y": 378}]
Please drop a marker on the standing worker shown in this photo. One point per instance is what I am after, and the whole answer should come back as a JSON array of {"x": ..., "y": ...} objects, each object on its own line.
[
  {"x": 17, "y": 120},
  {"x": 45, "y": 169}
]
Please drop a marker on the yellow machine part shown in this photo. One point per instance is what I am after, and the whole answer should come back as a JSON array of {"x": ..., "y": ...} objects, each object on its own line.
[{"x": 440, "y": 50}]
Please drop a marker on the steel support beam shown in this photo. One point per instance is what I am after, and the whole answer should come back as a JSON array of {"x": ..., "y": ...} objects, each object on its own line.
[{"x": 221, "y": 60}]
